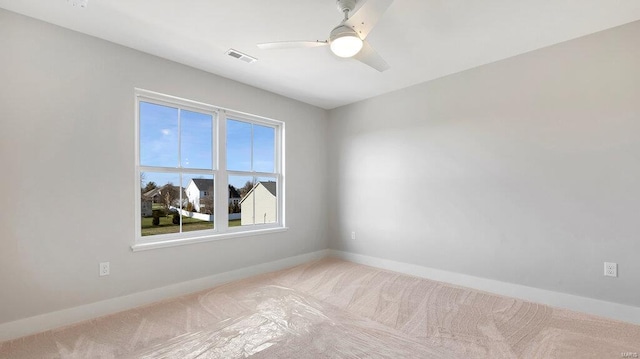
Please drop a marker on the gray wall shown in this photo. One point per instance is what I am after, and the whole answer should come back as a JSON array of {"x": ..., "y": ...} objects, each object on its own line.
[
  {"x": 525, "y": 170},
  {"x": 67, "y": 170}
]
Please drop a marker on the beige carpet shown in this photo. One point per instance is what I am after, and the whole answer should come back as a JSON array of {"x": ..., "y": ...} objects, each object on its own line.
[{"x": 336, "y": 309}]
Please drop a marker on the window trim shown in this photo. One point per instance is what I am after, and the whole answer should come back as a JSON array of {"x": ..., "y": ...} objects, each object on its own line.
[{"x": 219, "y": 170}]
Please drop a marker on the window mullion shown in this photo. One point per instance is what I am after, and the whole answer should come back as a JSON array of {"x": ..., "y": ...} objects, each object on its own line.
[
  {"x": 253, "y": 200},
  {"x": 251, "y": 174},
  {"x": 160, "y": 169},
  {"x": 222, "y": 180},
  {"x": 180, "y": 189},
  {"x": 279, "y": 156},
  {"x": 215, "y": 152},
  {"x": 252, "y": 168},
  {"x": 179, "y": 165}
]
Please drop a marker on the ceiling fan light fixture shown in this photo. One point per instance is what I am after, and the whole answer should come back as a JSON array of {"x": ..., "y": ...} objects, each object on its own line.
[
  {"x": 346, "y": 46},
  {"x": 345, "y": 42}
]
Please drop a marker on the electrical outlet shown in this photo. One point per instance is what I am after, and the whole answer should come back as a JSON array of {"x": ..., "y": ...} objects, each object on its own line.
[
  {"x": 610, "y": 269},
  {"x": 104, "y": 269},
  {"x": 353, "y": 235}
]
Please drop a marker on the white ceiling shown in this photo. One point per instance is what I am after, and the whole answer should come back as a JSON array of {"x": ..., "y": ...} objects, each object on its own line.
[{"x": 420, "y": 39}]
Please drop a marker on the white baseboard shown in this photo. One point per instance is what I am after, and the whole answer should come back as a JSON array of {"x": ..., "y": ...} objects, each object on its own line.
[
  {"x": 621, "y": 312},
  {"x": 44, "y": 322}
]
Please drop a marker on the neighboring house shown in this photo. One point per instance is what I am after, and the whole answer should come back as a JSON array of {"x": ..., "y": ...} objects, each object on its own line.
[
  {"x": 146, "y": 206},
  {"x": 153, "y": 195},
  {"x": 260, "y": 204},
  {"x": 157, "y": 195},
  {"x": 234, "y": 195},
  {"x": 199, "y": 193}
]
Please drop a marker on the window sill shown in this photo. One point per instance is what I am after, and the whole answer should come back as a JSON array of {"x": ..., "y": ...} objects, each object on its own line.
[{"x": 192, "y": 240}]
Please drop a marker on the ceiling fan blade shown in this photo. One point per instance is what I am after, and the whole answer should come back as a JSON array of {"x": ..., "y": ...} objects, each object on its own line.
[
  {"x": 370, "y": 57},
  {"x": 291, "y": 44},
  {"x": 367, "y": 16}
]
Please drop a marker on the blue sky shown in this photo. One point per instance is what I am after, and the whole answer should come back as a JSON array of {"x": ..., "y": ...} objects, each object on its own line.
[
  {"x": 239, "y": 147},
  {"x": 159, "y": 134}
]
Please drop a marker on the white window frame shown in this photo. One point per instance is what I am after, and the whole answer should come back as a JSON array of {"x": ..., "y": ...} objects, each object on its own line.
[{"x": 219, "y": 170}]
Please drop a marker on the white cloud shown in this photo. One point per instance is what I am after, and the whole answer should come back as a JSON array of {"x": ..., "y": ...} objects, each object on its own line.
[{"x": 165, "y": 132}]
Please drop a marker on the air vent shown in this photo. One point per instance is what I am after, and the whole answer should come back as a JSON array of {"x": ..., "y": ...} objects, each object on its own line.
[{"x": 240, "y": 56}]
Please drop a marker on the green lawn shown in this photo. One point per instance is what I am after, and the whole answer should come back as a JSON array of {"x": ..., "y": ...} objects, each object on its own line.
[{"x": 188, "y": 225}]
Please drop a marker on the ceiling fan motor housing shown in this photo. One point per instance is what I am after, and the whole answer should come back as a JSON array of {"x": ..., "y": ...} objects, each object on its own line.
[
  {"x": 346, "y": 5},
  {"x": 342, "y": 30}
]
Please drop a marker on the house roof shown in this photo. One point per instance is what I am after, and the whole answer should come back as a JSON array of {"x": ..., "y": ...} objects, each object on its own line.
[
  {"x": 151, "y": 193},
  {"x": 204, "y": 184},
  {"x": 154, "y": 192},
  {"x": 271, "y": 186},
  {"x": 233, "y": 192},
  {"x": 158, "y": 190}
]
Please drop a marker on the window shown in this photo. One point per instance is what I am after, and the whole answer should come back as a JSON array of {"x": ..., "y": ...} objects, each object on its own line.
[
  {"x": 253, "y": 179},
  {"x": 204, "y": 172}
]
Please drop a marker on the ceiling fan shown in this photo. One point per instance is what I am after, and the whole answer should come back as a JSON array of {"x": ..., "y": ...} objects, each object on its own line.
[{"x": 348, "y": 39}]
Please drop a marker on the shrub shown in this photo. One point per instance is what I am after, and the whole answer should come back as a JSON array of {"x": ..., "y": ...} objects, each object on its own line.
[
  {"x": 176, "y": 218},
  {"x": 159, "y": 213},
  {"x": 234, "y": 208},
  {"x": 156, "y": 219}
]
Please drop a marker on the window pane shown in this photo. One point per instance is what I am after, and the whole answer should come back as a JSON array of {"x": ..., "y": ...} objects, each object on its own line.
[
  {"x": 198, "y": 211},
  {"x": 158, "y": 135},
  {"x": 264, "y": 148},
  {"x": 259, "y": 203},
  {"x": 266, "y": 200},
  {"x": 239, "y": 187},
  {"x": 196, "y": 139},
  {"x": 238, "y": 145},
  {"x": 160, "y": 198}
]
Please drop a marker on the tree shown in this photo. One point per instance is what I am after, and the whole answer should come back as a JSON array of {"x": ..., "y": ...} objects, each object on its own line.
[
  {"x": 142, "y": 178},
  {"x": 151, "y": 185},
  {"x": 156, "y": 218},
  {"x": 246, "y": 188},
  {"x": 206, "y": 202},
  {"x": 234, "y": 208},
  {"x": 169, "y": 194}
]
